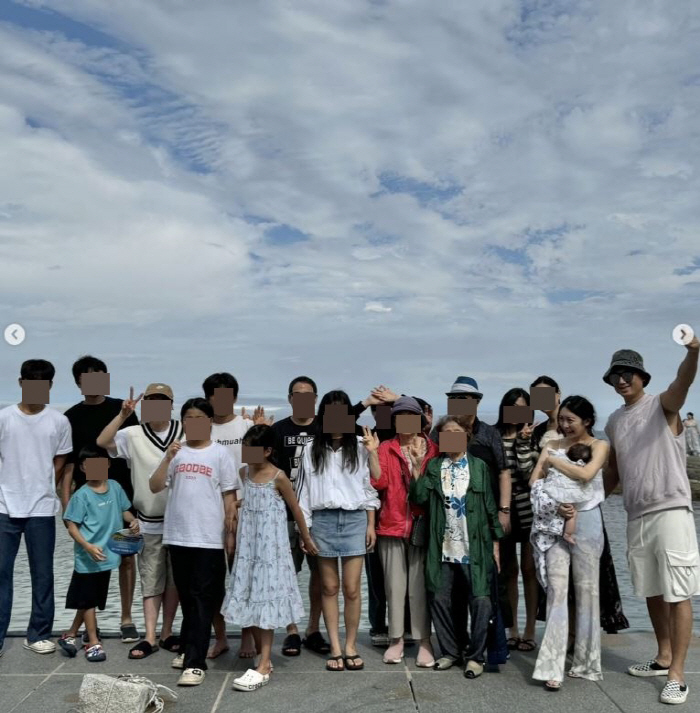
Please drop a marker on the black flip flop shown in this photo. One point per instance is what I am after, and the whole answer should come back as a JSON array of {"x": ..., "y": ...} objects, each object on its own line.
[
  {"x": 145, "y": 647},
  {"x": 291, "y": 646},
  {"x": 316, "y": 643},
  {"x": 351, "y": 659},
  {"x": 172, "y": 644},
  {"x": 527, "y": 645}
]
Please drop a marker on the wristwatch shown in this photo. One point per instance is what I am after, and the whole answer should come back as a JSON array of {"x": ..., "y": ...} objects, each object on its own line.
[{"x": 505, "y": 510}]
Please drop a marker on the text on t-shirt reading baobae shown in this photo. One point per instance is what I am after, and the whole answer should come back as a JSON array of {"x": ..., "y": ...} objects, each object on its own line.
[{"x": 194, "y": 468}]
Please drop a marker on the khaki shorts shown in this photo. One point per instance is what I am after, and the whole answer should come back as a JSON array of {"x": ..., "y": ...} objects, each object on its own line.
[
  {"x": 297, "y": 554},
  {"x": 155, "y": 570},
  {"x": 663, "y": 557}
]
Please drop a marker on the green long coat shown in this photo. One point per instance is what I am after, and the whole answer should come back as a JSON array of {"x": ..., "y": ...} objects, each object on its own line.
[{"x": 482, "y": 523}]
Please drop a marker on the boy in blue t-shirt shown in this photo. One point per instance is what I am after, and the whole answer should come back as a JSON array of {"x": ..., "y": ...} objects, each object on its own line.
[{"x": 95, "y": 512}]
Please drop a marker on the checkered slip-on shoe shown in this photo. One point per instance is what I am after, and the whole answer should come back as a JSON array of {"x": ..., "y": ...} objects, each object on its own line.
[
  {"x": 674, "y": 692},
  {"x": 650, "y": 668}
]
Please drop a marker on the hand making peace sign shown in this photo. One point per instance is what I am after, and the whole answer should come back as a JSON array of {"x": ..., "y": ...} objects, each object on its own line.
[
  {"x": 370, "y": 440},
  {"x": 129, "y": 405}
]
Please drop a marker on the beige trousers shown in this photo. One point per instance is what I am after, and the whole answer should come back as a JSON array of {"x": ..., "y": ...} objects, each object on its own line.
[{"x": 404, "y": 573}]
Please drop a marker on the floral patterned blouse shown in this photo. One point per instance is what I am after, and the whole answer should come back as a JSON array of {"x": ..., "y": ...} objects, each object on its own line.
[{"x": 455, "y": 482}]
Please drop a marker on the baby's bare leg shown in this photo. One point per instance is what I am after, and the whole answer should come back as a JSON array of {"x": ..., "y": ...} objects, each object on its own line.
[{"x": 570, "y": 528}]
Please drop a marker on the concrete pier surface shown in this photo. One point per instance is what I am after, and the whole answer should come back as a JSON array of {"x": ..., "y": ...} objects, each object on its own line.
[{"x": 31, "y": 683}]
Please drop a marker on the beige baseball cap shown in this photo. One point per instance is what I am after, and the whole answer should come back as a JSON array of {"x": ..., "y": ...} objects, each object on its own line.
[{"x": 164, "y": 389}]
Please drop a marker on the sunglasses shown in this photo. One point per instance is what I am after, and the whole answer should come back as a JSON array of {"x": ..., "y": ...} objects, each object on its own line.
[
  {"x": 465, "y": 396},
  {"x": 618, "y": 376}
]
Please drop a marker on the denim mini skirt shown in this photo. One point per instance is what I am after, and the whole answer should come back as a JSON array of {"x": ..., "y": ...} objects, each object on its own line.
[{"x": 340, "y": 533}]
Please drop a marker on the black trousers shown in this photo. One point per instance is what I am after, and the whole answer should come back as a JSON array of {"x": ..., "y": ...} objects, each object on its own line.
[
  {"x": 200, "y": 576},
  {"x": 450, "y": 608},
  {"x": 376, "y": 596}
]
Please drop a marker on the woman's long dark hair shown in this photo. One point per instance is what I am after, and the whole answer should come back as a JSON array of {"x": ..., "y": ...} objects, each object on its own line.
[
  {"x": 509, "y": 399},
  {"x": 580, "y": 406},
  {"x": 321, "y": 441}
]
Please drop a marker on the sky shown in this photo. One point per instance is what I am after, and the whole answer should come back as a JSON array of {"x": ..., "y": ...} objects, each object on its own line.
[{"x": 365, "y": 191}]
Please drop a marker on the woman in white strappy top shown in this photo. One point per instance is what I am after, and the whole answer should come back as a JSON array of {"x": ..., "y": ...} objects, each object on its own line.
[{"x": 576, "y": 420}]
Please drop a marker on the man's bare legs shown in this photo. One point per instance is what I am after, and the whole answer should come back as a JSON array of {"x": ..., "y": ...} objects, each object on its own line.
[
  {"x": 127, "y": 584},
  {"x": 673, "y": 625},
  {"x": 681, "y": 632},
  {"x": 151, "y": 609},
  {"x": 170, "y": 603}
]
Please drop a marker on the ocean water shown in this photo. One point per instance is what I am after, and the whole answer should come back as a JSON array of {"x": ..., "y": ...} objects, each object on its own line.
[{"x": 615, "y": 522}]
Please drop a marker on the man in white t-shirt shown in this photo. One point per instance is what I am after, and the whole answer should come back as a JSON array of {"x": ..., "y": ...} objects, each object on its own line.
[
  {"x": 34, "y": 445},
  {"x": 647, "y": 458},
  {"x": 228, "y": 429},
  {"x": 143, "y": 447}
]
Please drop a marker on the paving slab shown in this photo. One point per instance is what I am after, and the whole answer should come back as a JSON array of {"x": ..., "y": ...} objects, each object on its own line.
[
  {"x": 322, "y": 692},
  {"x": 30, "y": 683}
]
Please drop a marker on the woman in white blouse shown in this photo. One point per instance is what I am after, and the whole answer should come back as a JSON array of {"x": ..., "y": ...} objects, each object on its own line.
[{"x": 339, "y": 503}]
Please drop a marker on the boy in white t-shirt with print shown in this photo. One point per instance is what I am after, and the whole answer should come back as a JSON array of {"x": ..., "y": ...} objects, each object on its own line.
[
  {"x": 201, "y": 479},
  {"x": 34, "y": 445}
]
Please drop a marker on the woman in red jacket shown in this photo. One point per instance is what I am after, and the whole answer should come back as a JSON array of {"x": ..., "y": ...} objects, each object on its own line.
[{"x": 402, "y": 531}]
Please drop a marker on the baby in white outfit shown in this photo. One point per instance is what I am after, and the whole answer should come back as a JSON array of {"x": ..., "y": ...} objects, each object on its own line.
[{"x": 565, "y": 490}]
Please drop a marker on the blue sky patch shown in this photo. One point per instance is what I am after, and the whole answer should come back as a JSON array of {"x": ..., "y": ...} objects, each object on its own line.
[{"x": 285, "y": 235}]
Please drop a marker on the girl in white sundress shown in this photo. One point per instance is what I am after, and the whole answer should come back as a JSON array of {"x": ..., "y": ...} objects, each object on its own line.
[{"x": 263, "y": 592}]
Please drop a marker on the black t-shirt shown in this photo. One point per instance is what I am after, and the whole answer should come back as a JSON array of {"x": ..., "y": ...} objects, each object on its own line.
[{"x": 87, "y": 422}]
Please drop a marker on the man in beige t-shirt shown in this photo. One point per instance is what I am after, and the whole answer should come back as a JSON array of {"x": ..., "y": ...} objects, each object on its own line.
[{"x": 647, "y": 458}]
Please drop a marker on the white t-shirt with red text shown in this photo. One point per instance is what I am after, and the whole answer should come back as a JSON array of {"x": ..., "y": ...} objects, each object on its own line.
[{"x": 196, "y": 480}]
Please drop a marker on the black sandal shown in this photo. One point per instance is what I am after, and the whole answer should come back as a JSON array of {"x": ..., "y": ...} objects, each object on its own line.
[
  {"x": 291, "y": 646},
  {"x": 351, "y": 659},
  {"x": 513, "y": 643},
  {"x": 172, "y": 644},
  {"x": 527, "y": 645},
  {"x": 337, "y": 667},
  {"x": 144, "y": 647},
  {"x": 316, "y": 643}
]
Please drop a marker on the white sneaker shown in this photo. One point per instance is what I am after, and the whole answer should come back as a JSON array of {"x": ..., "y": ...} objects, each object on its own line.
[
  {"x": 191, "y": 677},
  {"x": 179, "y": 662},
  {"x": 40, "y": 647},
  {"x": 649, "y": 668},
  {"x": 674, "y": 692},
  {"x": 251, "y": 680}
]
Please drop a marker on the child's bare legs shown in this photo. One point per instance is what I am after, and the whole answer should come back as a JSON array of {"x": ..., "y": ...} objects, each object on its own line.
[
  {"x": 90, "y": 620},
  {"x": 75, "y": 626},
  {"x": 248, "y": 648},
  {"x": 570, "y": 528},
  {"x": 220, "y": 644},
  {"x": 265, "y": 637}
]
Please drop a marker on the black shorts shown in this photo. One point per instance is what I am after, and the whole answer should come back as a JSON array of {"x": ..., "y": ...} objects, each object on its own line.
[{"x": 88, "y": 590}]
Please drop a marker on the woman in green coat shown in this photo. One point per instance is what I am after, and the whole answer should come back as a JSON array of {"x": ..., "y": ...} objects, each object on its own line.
[{"x": 462, "y": 553}]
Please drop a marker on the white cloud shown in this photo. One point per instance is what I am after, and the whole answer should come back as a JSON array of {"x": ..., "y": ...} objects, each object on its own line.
[
  {"x": 139, "y": 156},
  {"x": 377, "y": 307}
]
